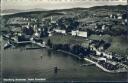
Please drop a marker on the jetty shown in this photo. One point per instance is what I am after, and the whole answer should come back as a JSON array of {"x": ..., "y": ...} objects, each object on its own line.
[{"x": 103, "y": 68}]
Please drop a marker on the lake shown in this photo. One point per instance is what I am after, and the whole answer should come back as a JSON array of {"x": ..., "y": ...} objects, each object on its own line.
[{"x": 40, "y": 63}]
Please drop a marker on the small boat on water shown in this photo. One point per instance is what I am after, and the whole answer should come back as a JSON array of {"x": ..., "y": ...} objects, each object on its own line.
[{"x": 7, "y": 45}]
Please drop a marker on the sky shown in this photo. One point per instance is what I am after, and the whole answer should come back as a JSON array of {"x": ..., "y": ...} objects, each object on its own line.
[{"x": 56, "y": 4}]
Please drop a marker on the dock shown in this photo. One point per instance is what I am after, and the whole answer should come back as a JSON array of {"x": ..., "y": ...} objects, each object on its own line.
[{"x": 103, "y": 68}]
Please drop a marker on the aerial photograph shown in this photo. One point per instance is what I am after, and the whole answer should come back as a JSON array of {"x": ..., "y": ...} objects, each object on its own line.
[{"x": 63, "y": 41}]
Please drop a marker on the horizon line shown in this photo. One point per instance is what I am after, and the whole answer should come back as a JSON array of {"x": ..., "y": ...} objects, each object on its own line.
[{"x": 64, "y": 8}]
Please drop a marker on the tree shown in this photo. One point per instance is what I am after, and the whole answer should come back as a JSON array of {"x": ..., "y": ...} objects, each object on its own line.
[
  {"x": 68, "y": 24},
  {"x": 66, "y": 47},
  {"x": 44, "y": 32},
  {"x": 124, "y": 16},
  {"x": 107, "y": 45},
  {"x": 28, "y": 31},
  {"x": 49, "y": 43}
]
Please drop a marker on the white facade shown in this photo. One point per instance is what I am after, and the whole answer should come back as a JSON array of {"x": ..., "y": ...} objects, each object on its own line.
[
  {"x": 119, "y": 17},
  {"x": 82, "y": 34},
  {"x": 28, "y": 25},
  {"x": 109, "y": 56},
  {"x": 60, "y": 31},
  {"x": 103, "y": 27},
  {"x": 79, "y": 33},
  {"x": 74, "y": 33},
  {"x": 49, "y": 33},
  {"x": 102, "y": 59},
  {"x": 125, "y": 20},
  {"x": 35, "y": 27},
  {"x": 37, "y": 34},
  {"x": 98, "y": 52}
]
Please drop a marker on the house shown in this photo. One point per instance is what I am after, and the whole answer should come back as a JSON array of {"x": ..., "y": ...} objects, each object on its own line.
[
  {"x": 125, "y": 20},
  {"x": 60, "y": 31},
  {"x": 102, "y": 59},
  {"x": 98, "y": 52},
  {"x": 52, "y": 21},
  {"x": 103, "y": 27},
  {"x": 37, "y": 34},
  {"x": 113, "y": 16},
  {"x": 119, "y": 17},
  {"x": 117, "y": 57},
  {"x": 82, "y": 34},
  {"x": 28, "y": 25},
  {"x": 49, "y": 33},
  {"x": 79, "y": 33},
  {"x": 16, "y": 29},
  {"x": 34, "y": 27},
  {"x": 74, "y": 33},
  {"x": 108, "y": 56}
]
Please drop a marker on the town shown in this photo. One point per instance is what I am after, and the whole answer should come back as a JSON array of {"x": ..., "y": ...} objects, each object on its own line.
[{"x": 72, "y": 34}]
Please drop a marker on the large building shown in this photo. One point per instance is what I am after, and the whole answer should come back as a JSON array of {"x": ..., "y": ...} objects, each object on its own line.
[
  {"x": 79, "y": 33},
  {"x": 60, "y": 31}
]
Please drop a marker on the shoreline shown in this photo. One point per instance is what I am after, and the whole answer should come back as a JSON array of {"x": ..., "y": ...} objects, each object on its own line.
[
  {"x": 66, "y": 52},
  {"x": 88, "y": 60},
  {"x": 70, "y": 54}
]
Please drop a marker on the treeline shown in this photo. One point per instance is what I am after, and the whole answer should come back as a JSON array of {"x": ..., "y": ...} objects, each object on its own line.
[{"x": 74, "y": 49}]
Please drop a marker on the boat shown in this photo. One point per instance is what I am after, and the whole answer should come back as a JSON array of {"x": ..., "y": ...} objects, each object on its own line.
[{"x": 7, "y": 45}]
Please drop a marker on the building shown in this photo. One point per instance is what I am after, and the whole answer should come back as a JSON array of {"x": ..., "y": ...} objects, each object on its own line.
[
  {"x": 49, "y": 33},
  {"x": 82, "y": 34},
  {"x": 103, "y": 27},
  {"x": 108, "y": 56},
  {"x": 37, "y": 34},
  {"x": 102, "y": 59},
  {"x": 74, "y": 33},
  {"x": 119, "y": 16},
  {"x": 60, "y": 31},
  {"x": 79, "y": 33},
  {"x": 52, "y": 21},
  {"x": 118, "y": 58}
]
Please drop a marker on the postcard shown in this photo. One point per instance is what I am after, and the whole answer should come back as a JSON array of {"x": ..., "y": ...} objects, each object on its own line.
[{"x": 63, "y": 41}]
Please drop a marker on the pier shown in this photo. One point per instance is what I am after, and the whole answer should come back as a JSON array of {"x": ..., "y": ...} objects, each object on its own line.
[
  {"x": 103, "y": 68},
  {"x": 86, "y": 59}
]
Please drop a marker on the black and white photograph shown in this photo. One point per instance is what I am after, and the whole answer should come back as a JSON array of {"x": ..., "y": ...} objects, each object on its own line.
[{"x": 63, "y": 41}]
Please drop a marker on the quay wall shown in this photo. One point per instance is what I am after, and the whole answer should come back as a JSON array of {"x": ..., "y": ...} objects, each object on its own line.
[{"x": 98, "y": 65}]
